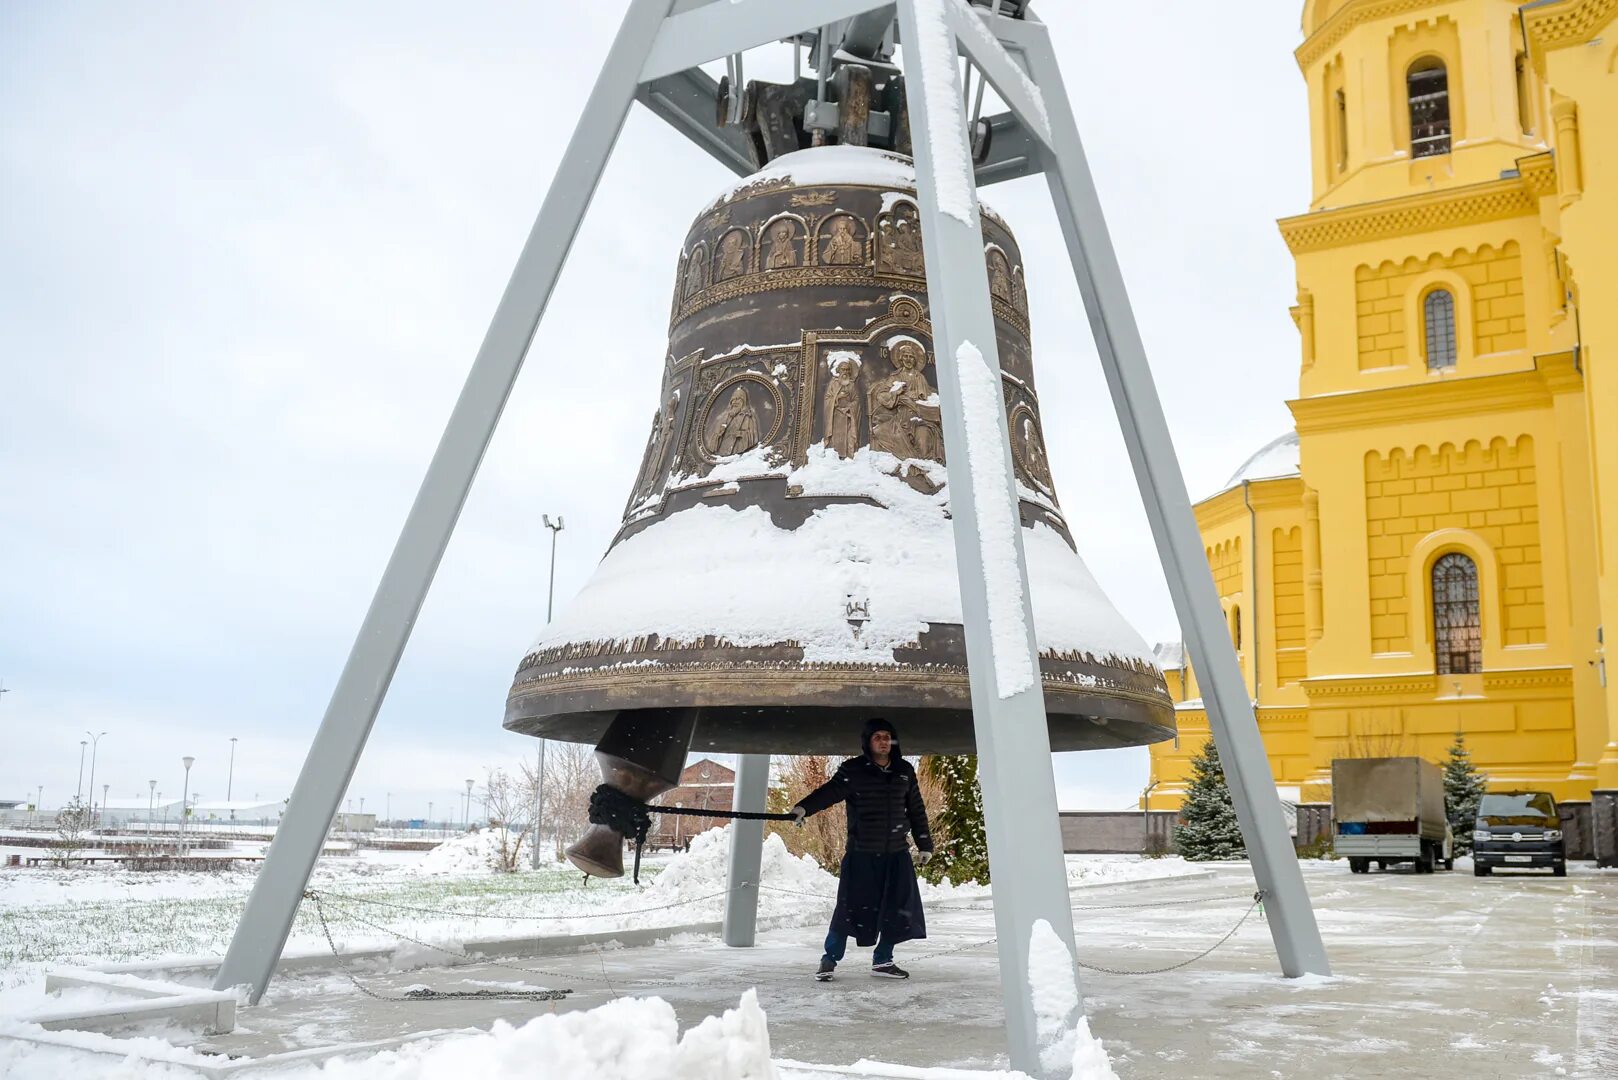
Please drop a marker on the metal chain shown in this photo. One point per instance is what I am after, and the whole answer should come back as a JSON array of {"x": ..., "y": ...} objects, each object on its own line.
[
  {"x": 521, "y": 918},
  {"x": 1258, "y": 901},
  {"x": 425, "y": 994},
  {"x": 1160, "y": 903},
  {"x": 470, "y": 959}
]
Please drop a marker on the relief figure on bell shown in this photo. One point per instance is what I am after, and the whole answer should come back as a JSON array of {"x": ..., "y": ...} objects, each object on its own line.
[
  {"x": 737, "y": 429},
  {"x": 782, "y": 253},
  {"x": 1034, "y": 453},
  {"x": 900, "y": 240},
  {"x": 732, "y": 256},
  {"x": 841, "y": 407},
  {"x": 843, "y": 248},
  {"x": 905, "y": 418},
  {"x": 693, "y": 272}
]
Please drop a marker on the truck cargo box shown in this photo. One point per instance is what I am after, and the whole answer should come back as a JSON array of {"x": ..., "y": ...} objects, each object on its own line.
[{"x": 1388, "y": 796}]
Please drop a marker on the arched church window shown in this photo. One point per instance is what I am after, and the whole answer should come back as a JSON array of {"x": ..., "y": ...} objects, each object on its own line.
[
  {"x": 1428, "y": 85},
  {"x": 1438, "y": 313},
  {"x": 1457, "y": 629}
]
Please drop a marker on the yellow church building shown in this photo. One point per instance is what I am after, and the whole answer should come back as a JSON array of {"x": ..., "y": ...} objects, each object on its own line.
[{"x": 1434, "y": 549}]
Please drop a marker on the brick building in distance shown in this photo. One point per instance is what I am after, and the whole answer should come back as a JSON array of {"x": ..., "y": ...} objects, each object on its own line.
[{"x": 704, "y": 784}]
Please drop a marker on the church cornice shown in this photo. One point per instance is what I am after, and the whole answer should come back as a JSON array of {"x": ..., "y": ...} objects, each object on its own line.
[
  {"x": 1555, "y": 24},
  {"x": 1495, "y": 200},
  {"x": 1346, "y": 18},
  {"x": 1533, "y": 388}
]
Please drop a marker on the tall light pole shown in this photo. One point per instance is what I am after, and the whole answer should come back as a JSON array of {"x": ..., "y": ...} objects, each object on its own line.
[
  {"x": 387, "y": 807},
  {"x": 95, "y": 743},
  {"x": 466, "y": 818},
  {"x": 78, "y": 792},
  {"x": 185, "y": 796},
  {"x": 230, "y": 777},
  {"x": 430, "y": 814},
  {"x": 151, "y": 807},
  {"x": 104, "y": 789},
  {"x": 539, "y": 777},
  {"x": 39, "y": 802}
]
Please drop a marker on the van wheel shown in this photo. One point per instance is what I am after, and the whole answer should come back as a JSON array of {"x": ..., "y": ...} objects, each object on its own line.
[
  {"x": 1559, "y": 870},
  {"x": 1357, "y": 865},
  {"x": 1481, "y": 871},
  {"x": 1449, "y": 864}
]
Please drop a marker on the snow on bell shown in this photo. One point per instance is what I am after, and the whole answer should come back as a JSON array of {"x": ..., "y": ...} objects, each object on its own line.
[{"x": 786, "y": 564}]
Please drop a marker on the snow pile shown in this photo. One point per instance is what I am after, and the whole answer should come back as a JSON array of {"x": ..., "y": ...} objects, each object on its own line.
[
  {"x": 627, "y": 1039},
  {"x": 1054, "y": 993},
  {"x": 703, "y": 871},
  {"x": 899, "y": 556},
  {"x": 981, "y": 407},
  {"x": 473, "y": 853},
  {"x": 1108, "y": 869}
]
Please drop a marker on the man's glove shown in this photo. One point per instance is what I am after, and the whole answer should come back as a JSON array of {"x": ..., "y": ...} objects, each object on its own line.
[
  {"x": 798, "y": 814},
  {"x": 923, "y": 857}
]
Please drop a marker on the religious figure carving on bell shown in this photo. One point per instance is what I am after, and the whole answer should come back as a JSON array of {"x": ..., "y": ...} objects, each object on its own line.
[
  {"x": 782, "y": 253},
  {"x": 900, "y": 240},
  {"x": 732, "y": 256},
  {"x": 1034, "y": 453},
  {"x": 842, "y": 246},
  {"x": 736, "y": 431},
  {"x": 841, "y": 405},
  {"x": 905, "y": 417}
]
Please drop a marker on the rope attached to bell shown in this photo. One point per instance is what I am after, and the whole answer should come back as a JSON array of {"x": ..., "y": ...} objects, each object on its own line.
[{"x": 629, "y": 817}]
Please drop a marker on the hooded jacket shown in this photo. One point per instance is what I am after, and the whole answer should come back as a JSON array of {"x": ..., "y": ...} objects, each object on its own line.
[{"x": 884, "y": 804}]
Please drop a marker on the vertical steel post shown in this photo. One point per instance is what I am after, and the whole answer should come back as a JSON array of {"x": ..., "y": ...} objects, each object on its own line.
[
  {"x": 1168, "y": 508},
  {"x": 746, "y": 851},
  {"x": 1013, "y": 742},
  {"x": 267, "y": 919}
]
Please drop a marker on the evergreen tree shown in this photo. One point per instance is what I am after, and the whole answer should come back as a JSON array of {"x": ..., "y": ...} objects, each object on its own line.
[
  {"x": 1209, "y": 829},
  {"x": 960, "y": 846},
  {"x": 1464, "y": 785}
]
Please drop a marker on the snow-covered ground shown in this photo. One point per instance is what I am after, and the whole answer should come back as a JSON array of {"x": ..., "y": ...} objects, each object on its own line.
[{"x": 384, "y": 900}]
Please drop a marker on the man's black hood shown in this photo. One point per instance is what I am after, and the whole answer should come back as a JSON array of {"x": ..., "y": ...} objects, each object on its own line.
[{"x": 874, "y": 725}]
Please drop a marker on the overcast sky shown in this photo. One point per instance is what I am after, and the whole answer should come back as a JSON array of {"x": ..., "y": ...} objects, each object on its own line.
[{"x": 247, "y": 253}]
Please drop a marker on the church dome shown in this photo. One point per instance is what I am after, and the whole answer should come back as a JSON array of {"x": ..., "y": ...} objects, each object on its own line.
[{"x": 1275, "y": 460}]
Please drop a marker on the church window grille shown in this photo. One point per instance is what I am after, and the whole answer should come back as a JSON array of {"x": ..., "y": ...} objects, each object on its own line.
[
  {"x": 1438, "y": 312},
  {"x": 1457, "y": 628}
]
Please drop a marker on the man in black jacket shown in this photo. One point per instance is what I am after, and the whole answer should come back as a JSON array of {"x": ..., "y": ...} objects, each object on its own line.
[{"x": 877, "y": 898}]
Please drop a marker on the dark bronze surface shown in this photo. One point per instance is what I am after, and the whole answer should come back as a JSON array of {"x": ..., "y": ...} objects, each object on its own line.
[{"x": 770, "y": 282}]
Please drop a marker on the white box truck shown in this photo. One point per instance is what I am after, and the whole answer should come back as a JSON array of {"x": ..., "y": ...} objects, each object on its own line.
[{"x": 1390, "y": 810}]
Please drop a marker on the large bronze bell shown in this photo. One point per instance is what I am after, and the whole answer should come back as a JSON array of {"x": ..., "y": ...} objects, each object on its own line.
[{"x": 785, "y": 568}]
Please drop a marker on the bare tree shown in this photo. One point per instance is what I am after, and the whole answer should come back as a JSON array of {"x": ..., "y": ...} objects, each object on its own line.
[
  {"x": 571, "y": 774},
  {"x": 506, "y": 802},
  {"x": 824, "y": 836},
  {"x": 1380, "y": 739},
  {"x": 72, "y": 833}
]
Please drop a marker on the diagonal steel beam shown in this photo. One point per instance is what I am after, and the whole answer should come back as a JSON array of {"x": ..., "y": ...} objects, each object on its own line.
[
  {"x": 687, "y": 100},
  {"x": 1150, "y": 444}
]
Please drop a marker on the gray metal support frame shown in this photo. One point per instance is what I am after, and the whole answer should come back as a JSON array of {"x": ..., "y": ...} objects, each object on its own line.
[
  {"x": 1013, "y": 741},
  {"x": 746, "y": 851},
  {"x": 267, "y": 920},
  {"x": 1291, "y": 917}
]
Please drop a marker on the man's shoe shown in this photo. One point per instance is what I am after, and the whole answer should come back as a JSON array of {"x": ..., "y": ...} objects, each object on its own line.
[
  {"x": 890, "y": 970},
  {"x": 825, "y": 971}
]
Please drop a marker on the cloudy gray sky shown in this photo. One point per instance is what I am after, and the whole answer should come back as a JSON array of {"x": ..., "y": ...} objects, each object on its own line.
[{"x": 248, "y": 251}]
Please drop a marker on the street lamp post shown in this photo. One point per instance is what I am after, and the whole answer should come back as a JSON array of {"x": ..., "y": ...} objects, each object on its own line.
[
  {"x": 430, "y": 816},
  {"x": 39, "y": 802},
  {"x": 230, "y": 776},
  {"x": 185, "y": 796},
  {"x": 151, "y": 807},
  {"x": 78, "y": 791},
  {"x": 539, "y": 778},
  {"x": 466, "y": 818},
  {"x": 95, "y": 743},
  {"x": 104, "y": 789}
]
